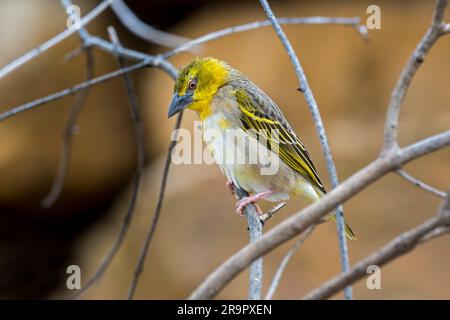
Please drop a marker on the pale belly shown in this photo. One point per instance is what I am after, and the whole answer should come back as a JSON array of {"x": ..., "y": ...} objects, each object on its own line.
[{"x": 251, "y": 166}]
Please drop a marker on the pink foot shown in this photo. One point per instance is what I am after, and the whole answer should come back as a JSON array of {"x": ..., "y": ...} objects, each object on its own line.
[{"x": 241, "y": 204}]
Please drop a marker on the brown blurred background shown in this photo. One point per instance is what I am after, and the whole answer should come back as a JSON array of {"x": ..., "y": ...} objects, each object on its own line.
[{"x": 198, "y": 230}]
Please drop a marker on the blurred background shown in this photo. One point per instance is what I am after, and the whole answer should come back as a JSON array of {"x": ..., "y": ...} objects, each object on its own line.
[{"x": 352, "y": 81}]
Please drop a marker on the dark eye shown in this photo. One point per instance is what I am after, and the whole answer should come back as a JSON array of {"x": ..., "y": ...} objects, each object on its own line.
[{"x": 192, "y": 84}]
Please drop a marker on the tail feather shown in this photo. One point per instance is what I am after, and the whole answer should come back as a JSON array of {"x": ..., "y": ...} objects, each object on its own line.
[{"x": 348, "y": 230}]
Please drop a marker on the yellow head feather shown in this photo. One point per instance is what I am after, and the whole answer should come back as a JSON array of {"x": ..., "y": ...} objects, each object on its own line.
[{"x": 209, "y": 75}]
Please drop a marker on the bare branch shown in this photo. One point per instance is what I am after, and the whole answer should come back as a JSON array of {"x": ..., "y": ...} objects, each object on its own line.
[
  {"x": 276, "y": 279},
  {"x": 159, "y": 61},
  {"x": 414, "y": 62},
  {"x": 351, "y": 22},
  {"x": 143, "y": 30},
  {"x": 140, "y": 152},
  {"x": 402, "y": 244},
  {"x": 255, "y": 230},
  {"x": 421, "y": 184},
  {"x": 266, "y": 216},
  {"x": 155, "y": 62},
  {"x": 144, "y": 251},
  {"x": 67, "y": 137},
  {"x": 300, "y": 221},
  {"x": 70, "y": 128},
  {"x": 53, "y": 41},
  {"x": 320, "y": 129}
]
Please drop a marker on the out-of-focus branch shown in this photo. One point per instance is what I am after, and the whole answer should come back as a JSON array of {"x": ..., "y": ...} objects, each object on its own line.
[
  {"x": 69, "y": 91},
  {"x": 159, "y": 61},
  {"x": 143, "y": 30},
  {"x": 350, "y": 22},
  {"x": 67, "y": 137},
  {"x": 154, "y": 222},
  {"x": 55, "y": 40},
  {"x": 140, "y": 159},
  {"x": 421, "y": 184},
  {"x": 414, "y": 62},
  {"x": 402, "y": 244},
  {"x": 70, "y": 127},
  {"x": 276, "y": 279},
  {"x": 320, "y": 129},
  {"x": 446, "y": 28}
]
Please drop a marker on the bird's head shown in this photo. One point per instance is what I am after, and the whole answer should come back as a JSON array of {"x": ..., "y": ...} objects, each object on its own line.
[{"x": 197, "y": 84}]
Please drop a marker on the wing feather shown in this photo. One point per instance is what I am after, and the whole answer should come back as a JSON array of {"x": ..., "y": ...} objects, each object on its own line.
[{"x": 261, "y": 116}]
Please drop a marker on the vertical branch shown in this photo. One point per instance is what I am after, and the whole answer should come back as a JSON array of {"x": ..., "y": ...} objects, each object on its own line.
[
  {"x": 144, "y": 251},
  {"x": 140, "y": 159},
  {"x": 255, "y": 229},
  {"x": 68, "y": 134},
  {"x": 314, "y": 109},
  {"x": 69, "y": 130},
  {"x": 276, "y": 279}
]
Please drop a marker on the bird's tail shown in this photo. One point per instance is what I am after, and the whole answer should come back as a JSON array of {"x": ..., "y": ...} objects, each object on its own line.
[{"x": 348, "y": 231}]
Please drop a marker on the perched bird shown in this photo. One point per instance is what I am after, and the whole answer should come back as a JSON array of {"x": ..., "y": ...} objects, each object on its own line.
[{"x": 227, "y": 101}]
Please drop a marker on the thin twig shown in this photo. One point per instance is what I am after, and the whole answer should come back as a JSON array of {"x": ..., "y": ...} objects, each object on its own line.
[
  {"x": 143, "y": 30},
  {"x": 269, "y": 214},
  {"x": 55, "y": 40},
  {"x": 140, "y": 159},
  {"x": 407, "y": 74},
  {"x": 320, "y": 129},
  {"x": 276, "y": 279},
  {"x": 421, "y": 184},
  {"x": 154, "y": 222},
  {"x": 67, "y": 137},
  {"x": 75, "y": 89},
  {"x": 401, "y": 245},
  {"x": 351, "y": 22},
  {"x": 69, "y": 130}
]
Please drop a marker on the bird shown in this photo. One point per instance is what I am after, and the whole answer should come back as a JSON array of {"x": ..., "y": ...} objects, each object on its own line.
[{"x": 228, "y": 102}]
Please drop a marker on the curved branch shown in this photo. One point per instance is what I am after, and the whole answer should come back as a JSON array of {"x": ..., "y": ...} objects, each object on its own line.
[
  {"x": 143, "y": 30},
  {"x": 276, "y": 279},
  {"x": 408, "y": 72},
  {"x": 68, "y": 133},
  {"x": 351, "y": 22}
]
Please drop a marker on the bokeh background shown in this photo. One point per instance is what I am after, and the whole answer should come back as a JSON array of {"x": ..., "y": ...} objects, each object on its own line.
[{"x": 352, "y": 81}]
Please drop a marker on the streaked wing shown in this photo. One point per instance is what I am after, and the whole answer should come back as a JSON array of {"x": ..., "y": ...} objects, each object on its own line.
[{"x": 260, "y": 115}]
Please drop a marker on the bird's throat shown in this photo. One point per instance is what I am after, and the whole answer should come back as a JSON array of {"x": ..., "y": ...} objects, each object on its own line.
[{"x": 203, "y": 107}]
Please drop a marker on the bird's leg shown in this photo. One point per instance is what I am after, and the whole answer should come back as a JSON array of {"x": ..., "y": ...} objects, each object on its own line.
[
  {"x": 230, "y": 187},
  {"x": 241, "y": 204}
]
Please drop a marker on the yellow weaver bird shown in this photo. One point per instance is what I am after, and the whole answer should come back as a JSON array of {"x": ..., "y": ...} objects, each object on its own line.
[{"x": 226, "y": 100}]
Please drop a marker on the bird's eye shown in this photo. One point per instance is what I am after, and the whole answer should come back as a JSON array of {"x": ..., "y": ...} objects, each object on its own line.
[{"x": 192, "y": 84}]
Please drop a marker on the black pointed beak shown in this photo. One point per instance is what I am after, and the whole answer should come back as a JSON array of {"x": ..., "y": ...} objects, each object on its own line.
[{"x": 179, "y": 103}]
